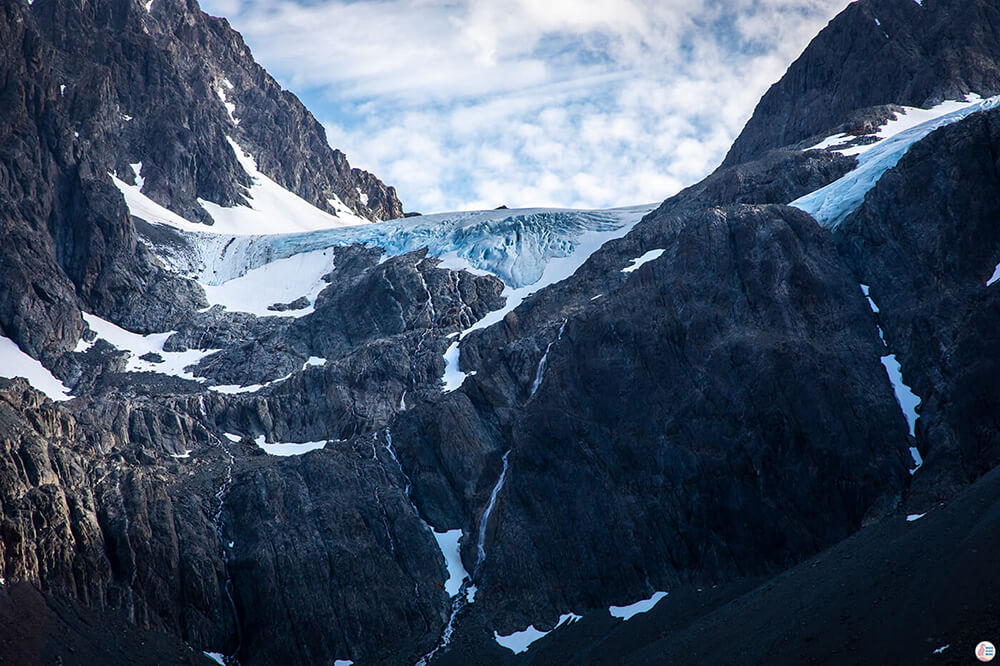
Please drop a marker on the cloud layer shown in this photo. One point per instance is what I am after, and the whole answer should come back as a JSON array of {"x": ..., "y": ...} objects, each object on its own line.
[{"x": 579, "y": 103}]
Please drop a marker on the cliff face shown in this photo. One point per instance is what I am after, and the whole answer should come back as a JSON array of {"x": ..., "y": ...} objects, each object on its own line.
[{"x": 165, "y": 86}]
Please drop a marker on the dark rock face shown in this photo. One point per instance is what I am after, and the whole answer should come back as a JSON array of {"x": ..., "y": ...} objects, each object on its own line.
[
  {"x": 920, "y": 55},
  {"x": 927, "y": 239},
  {"x": 152, "y": 87},
  {"x": 726, "y": 387},
  {"x": 779, "y": 177},
  {"x": 355, "y": 558},
  {"x": 66, "y": 232}
]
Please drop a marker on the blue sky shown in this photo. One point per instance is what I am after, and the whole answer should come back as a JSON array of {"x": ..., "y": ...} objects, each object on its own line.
[{"x": 465, "y": 104}]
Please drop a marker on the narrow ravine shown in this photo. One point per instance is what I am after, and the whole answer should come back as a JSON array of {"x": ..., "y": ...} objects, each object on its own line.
[
  {"x": 220, "y": 496},
  {"x": 485, "y": 520},
  {"x": 544, "y": 362}
]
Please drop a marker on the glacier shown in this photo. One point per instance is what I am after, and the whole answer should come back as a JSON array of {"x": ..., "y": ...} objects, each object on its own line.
[{"x": 832, "y": 204}]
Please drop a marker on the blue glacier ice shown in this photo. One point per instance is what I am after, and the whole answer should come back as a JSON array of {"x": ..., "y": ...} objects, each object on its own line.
[
  {"x": 514, "y": 245},
  {"x": 832, "y": 204}
]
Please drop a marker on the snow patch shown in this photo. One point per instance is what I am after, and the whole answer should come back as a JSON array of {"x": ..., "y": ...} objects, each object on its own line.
[
  {"x": 174, "y": 363},
  {"x": 217, "y": 657},
  {"x": 149, "y": 6},
  {"x": 448, "y": 543},
  {"x": 142, "y": 206},
  {"x": 314, "y": 362},
  {"x": 234, "y": 389},
  {"x": 907, "y": 399},
  {"x": 288, "y": 449},
  {"x": 343, "y": 662},
  {"x": 15, "y": 363},
  {"x": 832, "y": 204},
  {"x": 232, "y": 437},
  {"x": 453, "y": 377},
  {"x": 914, "y": 516},
  {"x": 639, "y": 261},
  {"x": 630, "y": 611},
  {"x": 137, "y": 170},
  {"x": 918, "y": 460},
  {"x": 273, "y": 209},
  {"x": 866, "y": 290},
  {"x": 943, "y": 647},
  {"x": 62, "y": 90},
  {"x": 230, "y": 107},
  {"x": 520, "y": 641},
  {"x": 996, "y": 276},
  {"x": 281, "y": 281}
]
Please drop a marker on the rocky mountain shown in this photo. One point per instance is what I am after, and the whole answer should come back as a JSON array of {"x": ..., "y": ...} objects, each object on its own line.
[{"x": 244, "y": 422}]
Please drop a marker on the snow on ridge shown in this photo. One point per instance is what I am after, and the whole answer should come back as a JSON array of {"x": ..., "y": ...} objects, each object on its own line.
[
  {"x": 217, "y": 657},
  {"x": 272, "y": 210},
  {"x": 15, "y": 363},
  {"x": 630, "y": 611},
  {"x": 520, "y": 641},
  {"x": 830, "y": 205},
  {"x": 908, "y": 118}
]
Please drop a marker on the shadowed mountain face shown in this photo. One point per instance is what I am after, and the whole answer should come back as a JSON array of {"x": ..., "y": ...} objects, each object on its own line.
[
  {"x": 877, "y": 52},
  {"x": 401, "y": 442}
]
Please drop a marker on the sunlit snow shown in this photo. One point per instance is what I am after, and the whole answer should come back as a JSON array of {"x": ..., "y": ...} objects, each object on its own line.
[
  {"x": 281, "y": 281},
  {"x": 230, "y": 107},
  {"x": 286, "y": 448},
  {"x": 137, "y": 170},
  {"x": 174, "y": 363},
  {"x": 272, "y": 210},
  {"x": 15, "y": 363},
  {"x": 914, "y": 516},
  {"x": 645, "y": 258}
]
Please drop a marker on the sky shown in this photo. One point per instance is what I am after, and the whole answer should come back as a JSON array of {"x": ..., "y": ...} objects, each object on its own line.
[{"x": 471, "y": 104}]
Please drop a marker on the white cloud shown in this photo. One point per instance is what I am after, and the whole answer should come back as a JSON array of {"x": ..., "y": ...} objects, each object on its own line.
[{"x": 476, "y": 103}]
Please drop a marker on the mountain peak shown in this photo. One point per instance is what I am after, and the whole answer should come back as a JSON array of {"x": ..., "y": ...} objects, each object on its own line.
[{"x": 875, "y": 53}]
